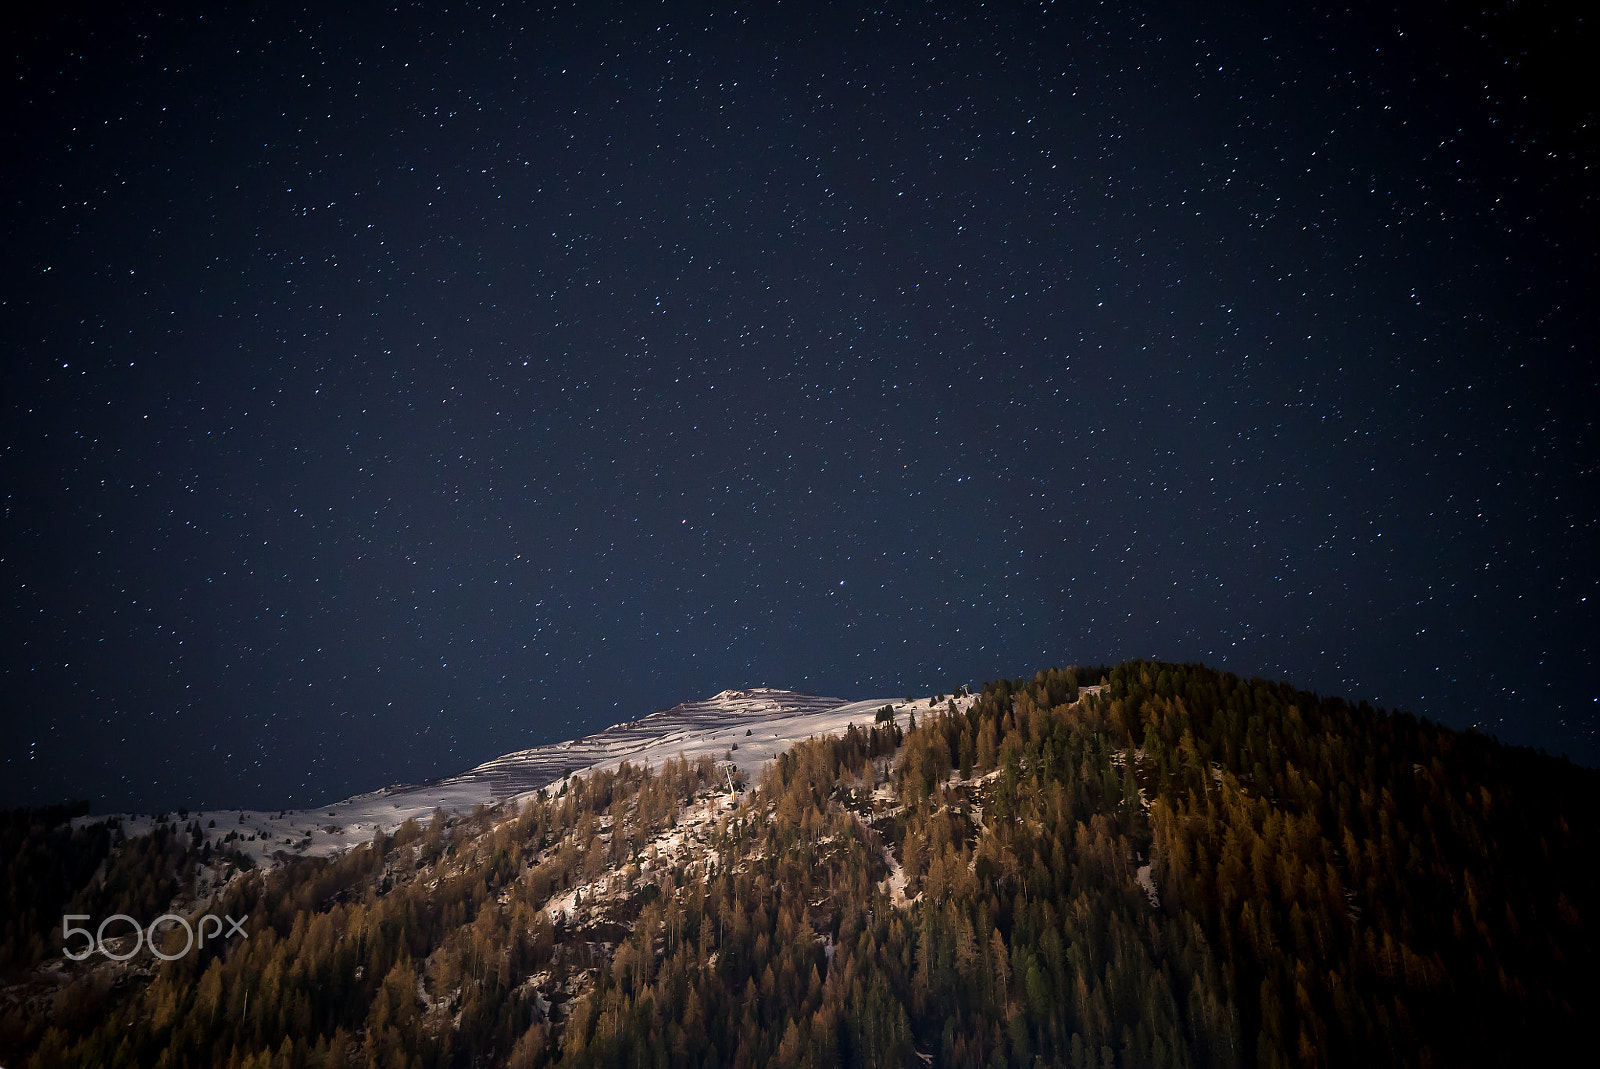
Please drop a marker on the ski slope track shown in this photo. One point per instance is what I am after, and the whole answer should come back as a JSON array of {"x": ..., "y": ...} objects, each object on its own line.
[{"x": 747, "y": 727}]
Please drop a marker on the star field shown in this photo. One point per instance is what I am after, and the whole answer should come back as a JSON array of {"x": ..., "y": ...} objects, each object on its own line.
[{"x": 388, "y": 391}]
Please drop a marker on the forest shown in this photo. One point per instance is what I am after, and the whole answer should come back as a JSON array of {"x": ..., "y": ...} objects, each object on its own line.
[{"x": 1147, "y": 865}]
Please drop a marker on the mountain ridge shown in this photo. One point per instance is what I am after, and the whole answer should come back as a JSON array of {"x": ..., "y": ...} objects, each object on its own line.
[{"x": 746, "y": 727}]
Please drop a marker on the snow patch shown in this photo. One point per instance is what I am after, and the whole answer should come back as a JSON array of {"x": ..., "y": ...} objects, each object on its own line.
[{"x": 1147, "y": 881}]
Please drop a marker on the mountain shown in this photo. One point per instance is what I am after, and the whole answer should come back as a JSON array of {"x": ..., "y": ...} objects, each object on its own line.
[
  {"x": 745, "y": 728},
  {"x": 1154, "y": 864}
]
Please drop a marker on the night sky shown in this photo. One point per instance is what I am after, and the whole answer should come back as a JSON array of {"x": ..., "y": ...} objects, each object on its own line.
[{"x": 384, "y": 392}]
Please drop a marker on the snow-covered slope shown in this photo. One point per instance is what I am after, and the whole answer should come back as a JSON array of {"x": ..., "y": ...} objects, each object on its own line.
[{"x": 748, "y": 727}]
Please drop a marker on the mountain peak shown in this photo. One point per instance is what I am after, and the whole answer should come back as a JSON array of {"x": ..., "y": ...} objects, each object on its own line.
[{"x": 745, "y": 693}]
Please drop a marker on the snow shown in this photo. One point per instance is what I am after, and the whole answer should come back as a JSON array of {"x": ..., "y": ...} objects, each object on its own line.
[
  {"x": 747, "y": 727},
  {"x": 895, "y": 884},
  {"x": 1147, "y": 881},
  {"x": 683, "y": 844}
]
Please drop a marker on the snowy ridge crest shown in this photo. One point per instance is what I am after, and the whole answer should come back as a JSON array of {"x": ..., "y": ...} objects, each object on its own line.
[{"x": 747, "y": 727}]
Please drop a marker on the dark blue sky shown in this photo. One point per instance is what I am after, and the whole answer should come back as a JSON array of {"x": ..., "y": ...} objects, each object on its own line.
[{"x": 385, "y": 392}]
